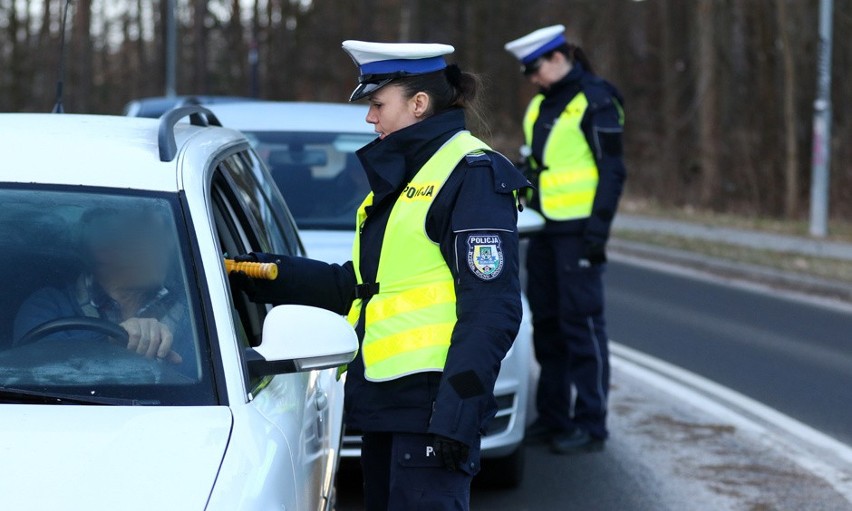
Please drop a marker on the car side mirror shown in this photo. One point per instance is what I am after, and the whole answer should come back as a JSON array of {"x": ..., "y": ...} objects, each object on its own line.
[
  {"x": 529, "y": 222},
  {"x": 299, "y": 338}
]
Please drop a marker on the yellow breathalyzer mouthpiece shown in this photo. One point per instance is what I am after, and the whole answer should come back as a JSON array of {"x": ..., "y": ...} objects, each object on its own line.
[{"x": 265, "y": 271}]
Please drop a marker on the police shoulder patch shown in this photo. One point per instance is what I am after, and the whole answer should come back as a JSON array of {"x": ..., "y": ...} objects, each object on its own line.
[{"x": 485, "y": 255}]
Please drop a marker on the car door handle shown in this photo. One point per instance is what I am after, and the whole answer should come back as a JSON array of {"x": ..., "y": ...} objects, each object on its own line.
[{"x": 321, "y": 400}]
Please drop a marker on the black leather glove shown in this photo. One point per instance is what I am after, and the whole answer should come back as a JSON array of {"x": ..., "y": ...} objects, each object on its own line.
[
  {"x": 239, "y": 280},
  {"x": 251, "y": 257},
  {"x": 242, "y": 282},
  {"x": 452, "y": 453},
  {"x": 594, "y": 253}
]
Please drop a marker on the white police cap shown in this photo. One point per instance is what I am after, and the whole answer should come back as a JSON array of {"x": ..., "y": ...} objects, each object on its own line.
[
  {"x": 535, "y": 44},
  {"x": 379, "y": 63}
]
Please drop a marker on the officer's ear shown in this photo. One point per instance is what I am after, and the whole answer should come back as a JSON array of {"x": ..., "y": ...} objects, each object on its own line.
[
  {"x": 419, "y": 104},
  {"x": 557, "y": 57}
]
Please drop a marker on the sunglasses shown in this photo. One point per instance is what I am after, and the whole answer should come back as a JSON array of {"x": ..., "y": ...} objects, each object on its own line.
[{"x": 533, "y": 67}]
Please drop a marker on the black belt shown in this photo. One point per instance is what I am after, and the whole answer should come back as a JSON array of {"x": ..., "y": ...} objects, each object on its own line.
[{"x": 366, "y": 290}]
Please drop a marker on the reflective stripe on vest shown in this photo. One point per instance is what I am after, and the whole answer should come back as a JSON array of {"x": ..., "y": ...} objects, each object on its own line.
[
  {"x": 409, "y": 322},
  {"x": 568, "y": 183}
]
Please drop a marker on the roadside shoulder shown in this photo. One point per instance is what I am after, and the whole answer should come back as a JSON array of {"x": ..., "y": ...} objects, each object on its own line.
[{"x": 708, "y": 453}]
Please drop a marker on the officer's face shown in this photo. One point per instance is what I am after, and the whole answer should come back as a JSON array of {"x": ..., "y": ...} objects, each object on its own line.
[
  {"x": 391, "y": 111},
  {"x": 550, "y": 70}
]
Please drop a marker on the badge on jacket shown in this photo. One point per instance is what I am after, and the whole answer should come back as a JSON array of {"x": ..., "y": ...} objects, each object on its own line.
[{"x": 485, "y": 255}]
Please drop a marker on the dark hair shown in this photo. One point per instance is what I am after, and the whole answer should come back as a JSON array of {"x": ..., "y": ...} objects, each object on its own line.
[
  {"x": 573, "y": 54},
  {"x": 448, "y": 88}
]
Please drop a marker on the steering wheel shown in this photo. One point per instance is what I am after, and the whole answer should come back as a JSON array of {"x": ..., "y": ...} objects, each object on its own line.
[{"x": 98, "y": 325}]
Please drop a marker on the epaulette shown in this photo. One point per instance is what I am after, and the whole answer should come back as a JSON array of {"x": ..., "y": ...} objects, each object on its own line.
[
  {"x": 600, "y": 93},
  {"x": 478, "y": 159}
]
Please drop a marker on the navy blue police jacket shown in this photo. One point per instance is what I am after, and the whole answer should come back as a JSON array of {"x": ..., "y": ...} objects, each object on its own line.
[
  {"x": 476, "y": 199},
  {"x": 602, "y": 125}
]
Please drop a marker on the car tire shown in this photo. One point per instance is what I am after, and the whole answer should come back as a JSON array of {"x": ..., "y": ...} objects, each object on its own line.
[{"x": 504, "y": 472}]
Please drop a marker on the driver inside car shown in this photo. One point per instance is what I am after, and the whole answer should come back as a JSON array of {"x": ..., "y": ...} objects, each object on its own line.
[{"x": 126, "y": 254}]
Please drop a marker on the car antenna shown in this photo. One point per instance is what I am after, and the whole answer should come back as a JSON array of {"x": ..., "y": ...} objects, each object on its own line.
[{"x": 58, "y": 108}]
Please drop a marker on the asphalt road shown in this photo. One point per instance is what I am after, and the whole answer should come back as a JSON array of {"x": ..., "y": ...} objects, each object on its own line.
[{"x": 791, "y": 356}]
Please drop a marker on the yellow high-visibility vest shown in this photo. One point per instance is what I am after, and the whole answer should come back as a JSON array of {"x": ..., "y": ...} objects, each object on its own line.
[
  {"x": 409, "y": 322},
  {"x": 569, "y": 179}
]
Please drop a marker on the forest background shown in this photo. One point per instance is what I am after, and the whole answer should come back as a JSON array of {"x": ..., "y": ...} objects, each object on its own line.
[{"x": 719, "y": 93}]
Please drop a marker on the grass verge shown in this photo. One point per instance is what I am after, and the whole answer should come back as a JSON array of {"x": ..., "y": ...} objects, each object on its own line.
[{"x": 832, "y": 269}]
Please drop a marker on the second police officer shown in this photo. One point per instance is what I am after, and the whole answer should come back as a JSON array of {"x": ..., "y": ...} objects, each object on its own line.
[
  {"x": 432, "y": 288},
  {"x": 573, "y": 132}
]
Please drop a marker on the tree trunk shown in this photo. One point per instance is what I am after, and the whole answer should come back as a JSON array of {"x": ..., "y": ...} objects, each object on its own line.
[
  {"x": 669, "y": 160},
  {"x": 199, "y": 42},
  {"x": 82, "y": 44},
  {"x": 788, "y": 84},
  {"x": 708, "y": 139}
]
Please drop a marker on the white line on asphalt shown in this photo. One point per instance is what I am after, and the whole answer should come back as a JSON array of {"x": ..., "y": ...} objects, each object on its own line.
[{"x": 806, "y": 446}]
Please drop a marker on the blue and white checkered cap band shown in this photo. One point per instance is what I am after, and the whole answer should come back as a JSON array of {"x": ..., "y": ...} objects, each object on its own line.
[{"x": 535, "y": 44}]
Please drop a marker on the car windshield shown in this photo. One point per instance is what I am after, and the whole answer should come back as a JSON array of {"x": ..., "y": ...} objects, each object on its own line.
[
  {"x": 81, "y": 271},
  {"x": 318, "y": 174}
]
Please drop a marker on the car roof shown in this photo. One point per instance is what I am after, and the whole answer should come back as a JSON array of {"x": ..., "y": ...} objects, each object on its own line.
[
  {"x": 294, "y": 116},
  {"x": 99, "y": 150}
]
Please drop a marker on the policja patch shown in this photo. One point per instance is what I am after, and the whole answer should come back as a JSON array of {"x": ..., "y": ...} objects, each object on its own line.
[{"x": 485, "y": 255}]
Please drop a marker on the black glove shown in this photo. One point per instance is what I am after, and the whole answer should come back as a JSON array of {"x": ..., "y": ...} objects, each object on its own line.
[
  {"x": 239, "y": 280},
  {"x": 251, "y": 257},
  {"x": 242, "y": 282},
  {"x": 594, "y": 253},
  {"x": 452, "y": 453}
]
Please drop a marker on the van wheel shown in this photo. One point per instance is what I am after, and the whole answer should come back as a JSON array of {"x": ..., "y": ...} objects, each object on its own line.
[{"x": 503, "y": 472}]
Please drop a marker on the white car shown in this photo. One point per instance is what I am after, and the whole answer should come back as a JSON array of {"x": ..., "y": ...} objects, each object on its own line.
[
  {"x": 310, "y": 151},
  {"x": 244, "y": 411}
]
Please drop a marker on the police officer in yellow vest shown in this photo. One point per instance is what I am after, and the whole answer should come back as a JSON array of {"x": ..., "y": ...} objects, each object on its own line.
[
  {"x": 432, "y": 288},
  {"x": 573, "y": 129}
]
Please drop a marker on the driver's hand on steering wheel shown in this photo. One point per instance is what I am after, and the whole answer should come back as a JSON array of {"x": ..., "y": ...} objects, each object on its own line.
[{"x": 150, "y": 338}]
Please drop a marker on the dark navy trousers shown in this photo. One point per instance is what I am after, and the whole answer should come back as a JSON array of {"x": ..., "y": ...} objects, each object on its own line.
[
  {"x": 567, "y": 302},
  {"x": 403, "y": 473}
]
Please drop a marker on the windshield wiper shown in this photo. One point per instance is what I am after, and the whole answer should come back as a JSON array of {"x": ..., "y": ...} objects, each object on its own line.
[{"x": 13, "y": 395}]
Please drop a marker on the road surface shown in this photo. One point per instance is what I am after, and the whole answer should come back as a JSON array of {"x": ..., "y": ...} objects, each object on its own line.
[{"x": 665, "y": 451}]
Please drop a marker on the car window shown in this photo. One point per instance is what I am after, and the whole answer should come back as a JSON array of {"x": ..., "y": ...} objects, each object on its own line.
[
  {"x": 266, "y": 218},
  {"x": 234, "y": 240},
  {"x": 285, "y": 223},
  {"x": 81, "y": 268},
  {"x": 236, "y": 237},
  {"x": 318, "y": 174},
  {"x": 250, "y": 216}
]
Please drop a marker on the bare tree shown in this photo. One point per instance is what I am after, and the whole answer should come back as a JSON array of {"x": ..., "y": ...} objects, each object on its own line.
[
  {"x": 708, "y": 133},
  {"x": 788, "y": 84},
  {"x": 199, "y": 44},
  {"x": 718, "y": 94}
]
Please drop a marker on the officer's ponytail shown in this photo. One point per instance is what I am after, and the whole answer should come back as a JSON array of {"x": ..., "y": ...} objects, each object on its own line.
[
  {"x": 580, "y": 56},
  {"x": 573, "y": 54}
]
